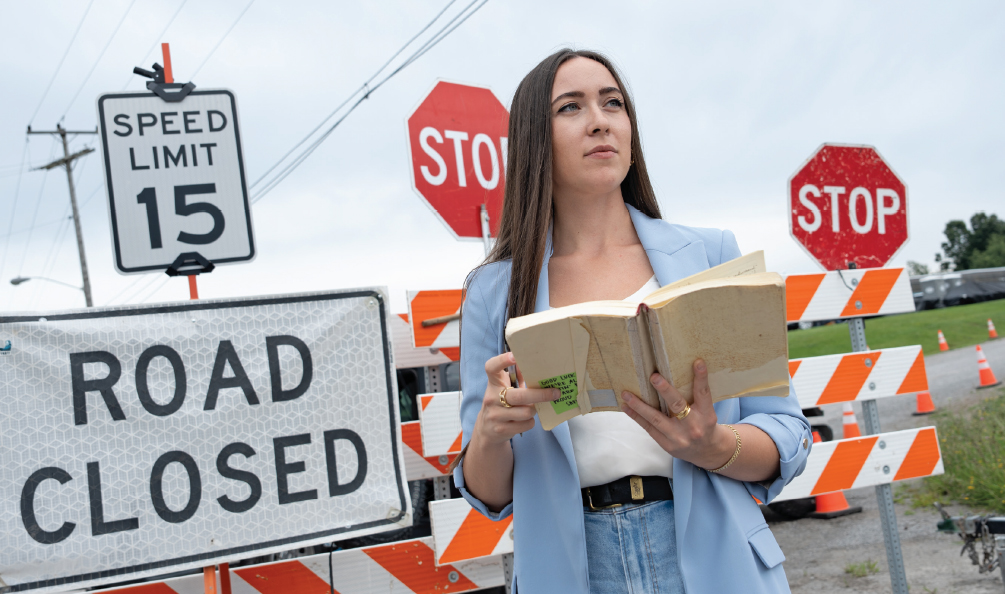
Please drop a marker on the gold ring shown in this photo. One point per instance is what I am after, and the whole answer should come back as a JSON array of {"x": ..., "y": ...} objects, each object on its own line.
[
  {"x": 684, "y": 413},
  {"x": 502, "y": 398}
]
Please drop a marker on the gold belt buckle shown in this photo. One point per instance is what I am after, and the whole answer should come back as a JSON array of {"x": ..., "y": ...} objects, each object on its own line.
[
  {"x": 636, "y": 484},
  {"x": 589, "y": 497}
]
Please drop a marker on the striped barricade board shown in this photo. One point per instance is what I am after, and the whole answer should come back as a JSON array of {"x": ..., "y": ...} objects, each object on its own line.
[
  {"x": 407, "y": 356},
  {"x": 858, "y": 376},
  {"x": 400, "y": 568},
  {"x": 428, "y": 305},
  {"x": 867, "y": 461},
  {"x": 418, "y": 466},
  {"x": 440, "y": 416},
  {"x": 847, "y": 294},
  {"x": 461, "y": 533}
]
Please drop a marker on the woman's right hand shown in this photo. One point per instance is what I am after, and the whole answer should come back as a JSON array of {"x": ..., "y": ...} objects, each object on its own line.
[{"x": 497, "y": 424}]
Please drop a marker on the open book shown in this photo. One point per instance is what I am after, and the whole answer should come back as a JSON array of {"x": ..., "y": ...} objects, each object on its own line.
[{"x": 732, "y": 316}]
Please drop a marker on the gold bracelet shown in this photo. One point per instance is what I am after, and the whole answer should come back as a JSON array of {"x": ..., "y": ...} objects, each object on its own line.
[{"x": 736, "y": 454}]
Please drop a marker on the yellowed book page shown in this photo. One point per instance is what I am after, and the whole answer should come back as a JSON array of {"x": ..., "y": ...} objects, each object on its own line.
[
  {"x": 615, "y": 347},
  {"x": 658, "y": 299},
  {"x": 554, "y": 355},
  {"x": 596, "y": 372},
  {"x": 589, "y": 308},
  {"x": 752, "y": 263},
  {"x": 738, "y": 328}
]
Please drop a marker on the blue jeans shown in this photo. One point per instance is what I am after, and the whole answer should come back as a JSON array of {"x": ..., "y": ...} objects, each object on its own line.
[{"x": 632, "y": 549}]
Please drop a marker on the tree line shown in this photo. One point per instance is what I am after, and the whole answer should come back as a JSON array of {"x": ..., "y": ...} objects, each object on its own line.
[{"x": 981, "y": 245}]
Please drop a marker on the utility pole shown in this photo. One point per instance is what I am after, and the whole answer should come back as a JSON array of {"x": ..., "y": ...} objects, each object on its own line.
[{"x": 67, "y": 162}]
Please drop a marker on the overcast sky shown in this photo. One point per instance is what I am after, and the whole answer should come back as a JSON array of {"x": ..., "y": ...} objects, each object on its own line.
[{"x": 731, "y": 99}]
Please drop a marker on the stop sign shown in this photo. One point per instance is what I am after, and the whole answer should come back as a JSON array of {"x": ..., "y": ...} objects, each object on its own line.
[
  {"x": 457, "y": 147},
  {"x": 847, "y": 205}
]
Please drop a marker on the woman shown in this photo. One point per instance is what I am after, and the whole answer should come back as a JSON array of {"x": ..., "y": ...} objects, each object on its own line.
[{"x": 580, "y": 222}]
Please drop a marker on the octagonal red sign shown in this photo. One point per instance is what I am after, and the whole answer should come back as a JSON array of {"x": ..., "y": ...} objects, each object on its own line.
[
  {"x": 847, "y": 205},
  {"x": 457, "y": 145}
]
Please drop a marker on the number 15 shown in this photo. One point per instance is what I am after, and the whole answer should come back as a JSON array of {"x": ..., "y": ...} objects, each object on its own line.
[{"x": 148, "y": 197}]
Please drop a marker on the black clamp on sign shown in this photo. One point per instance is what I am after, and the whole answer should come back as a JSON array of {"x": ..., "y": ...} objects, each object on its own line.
[
  {"x": 189, "y": 264},
  {"x": 170, "y": 92}
]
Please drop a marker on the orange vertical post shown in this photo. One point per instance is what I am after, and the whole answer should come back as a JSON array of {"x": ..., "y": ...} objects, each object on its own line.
[
  {"x": 168, "y": 74},
  {"x": 209, "y": 579},
  {"x": 193, "y": 288}
]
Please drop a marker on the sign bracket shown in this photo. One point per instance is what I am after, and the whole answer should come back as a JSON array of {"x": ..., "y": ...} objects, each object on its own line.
[
  {"x": 189, "y": 264},
  {"x": 171, "y": 92}
]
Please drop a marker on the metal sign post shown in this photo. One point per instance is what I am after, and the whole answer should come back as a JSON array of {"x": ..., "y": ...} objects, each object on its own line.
[
  {"x": 884, "y": 493},
  {"x": 486, "y": 234}
]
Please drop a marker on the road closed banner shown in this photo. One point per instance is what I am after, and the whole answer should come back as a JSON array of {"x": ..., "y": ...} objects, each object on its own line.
[{"x": 143, "y": 441}]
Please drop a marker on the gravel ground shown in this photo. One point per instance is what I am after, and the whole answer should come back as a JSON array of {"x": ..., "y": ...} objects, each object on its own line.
[{"x": 818, "y": 551}]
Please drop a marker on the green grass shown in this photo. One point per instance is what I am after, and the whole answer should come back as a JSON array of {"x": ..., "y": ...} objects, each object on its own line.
[
  {"x": 963, "y": 325},
  {"x": 868, "y": 567},
  {"x": 973, "y": 453}
]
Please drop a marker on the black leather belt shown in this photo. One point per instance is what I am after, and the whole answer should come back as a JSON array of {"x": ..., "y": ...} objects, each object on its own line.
[{"x": 630, "y": 489}]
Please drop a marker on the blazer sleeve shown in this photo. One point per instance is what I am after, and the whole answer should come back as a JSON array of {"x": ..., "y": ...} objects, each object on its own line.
[
  {"x": 781, "y": 418},
  {"x": 481, "y": 339},
  {"x": 783, "y": 421}
]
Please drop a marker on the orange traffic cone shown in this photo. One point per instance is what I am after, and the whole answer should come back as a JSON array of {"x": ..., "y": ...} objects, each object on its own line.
[
  {"x": 850, "y": 424},
  {"x": 832, "y": 505},
  {"x": 925, "y": 405},
  {"x": 992, "y": 333},
  {"x": 943, "y": 345},
  {"x": 987, "y": 376}
]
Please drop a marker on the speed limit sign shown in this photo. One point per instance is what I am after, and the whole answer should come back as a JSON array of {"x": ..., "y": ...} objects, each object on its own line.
[{"x": 174, "y": 174}]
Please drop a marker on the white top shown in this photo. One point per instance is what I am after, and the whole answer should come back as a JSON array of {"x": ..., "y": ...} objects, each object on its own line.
[{"x": 609, "y": 445}]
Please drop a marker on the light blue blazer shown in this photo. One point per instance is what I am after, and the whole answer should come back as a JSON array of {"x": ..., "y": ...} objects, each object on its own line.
[{"x": 724, "y": 543}]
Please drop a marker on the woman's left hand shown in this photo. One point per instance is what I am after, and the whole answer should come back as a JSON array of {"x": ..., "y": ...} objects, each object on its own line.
[{"x": 696, "y": 437}]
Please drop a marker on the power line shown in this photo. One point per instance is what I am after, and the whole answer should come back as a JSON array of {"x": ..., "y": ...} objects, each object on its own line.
[
  {"x": 157, "y": 40},
  {"x": 63, "y": 59},
  {"x": 127, "y": 288},
  {"x": 93, "y": 194},
  {"x": 359, "y": 90},
  {"x": 10, "y": 225},
  {"x": 50, "y": 261},
  {"x": 150, "y": 281},
  {"x": 25, "y": 230},
  {"x": 34, "y": 217},
  {"x": 218, "y": 43},
  {"x": 101, "y": 55},
  {"x": 156, "y": 289},
  {"x": 442, "y": 33}
]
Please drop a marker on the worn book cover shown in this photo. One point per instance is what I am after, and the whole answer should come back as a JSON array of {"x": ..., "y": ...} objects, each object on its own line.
[{"x": 732, "y": 316}]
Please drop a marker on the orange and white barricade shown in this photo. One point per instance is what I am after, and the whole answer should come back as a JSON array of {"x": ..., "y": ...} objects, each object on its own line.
[
  {"x": 440, "y": 419},
  {"x": 847, "y": 294},
  {"x": 400, "y": 567},
  {"x": 461, "y": 533},
  {"x": 866, "y": 462},
  {"x": 418, "y": 466},
  {"x": 443, "y": 309},
  {"x": 407, "y": 356},
  {"x": 858, "y": 376}
]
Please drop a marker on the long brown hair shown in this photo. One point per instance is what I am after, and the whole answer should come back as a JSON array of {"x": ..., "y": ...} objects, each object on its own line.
[{"x": 527, "y": 204}]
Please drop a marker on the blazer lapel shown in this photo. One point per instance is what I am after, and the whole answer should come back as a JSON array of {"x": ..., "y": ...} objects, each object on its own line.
[
  {"x": 543, "y": 303},
  {"x": 672, "y": 255}
]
